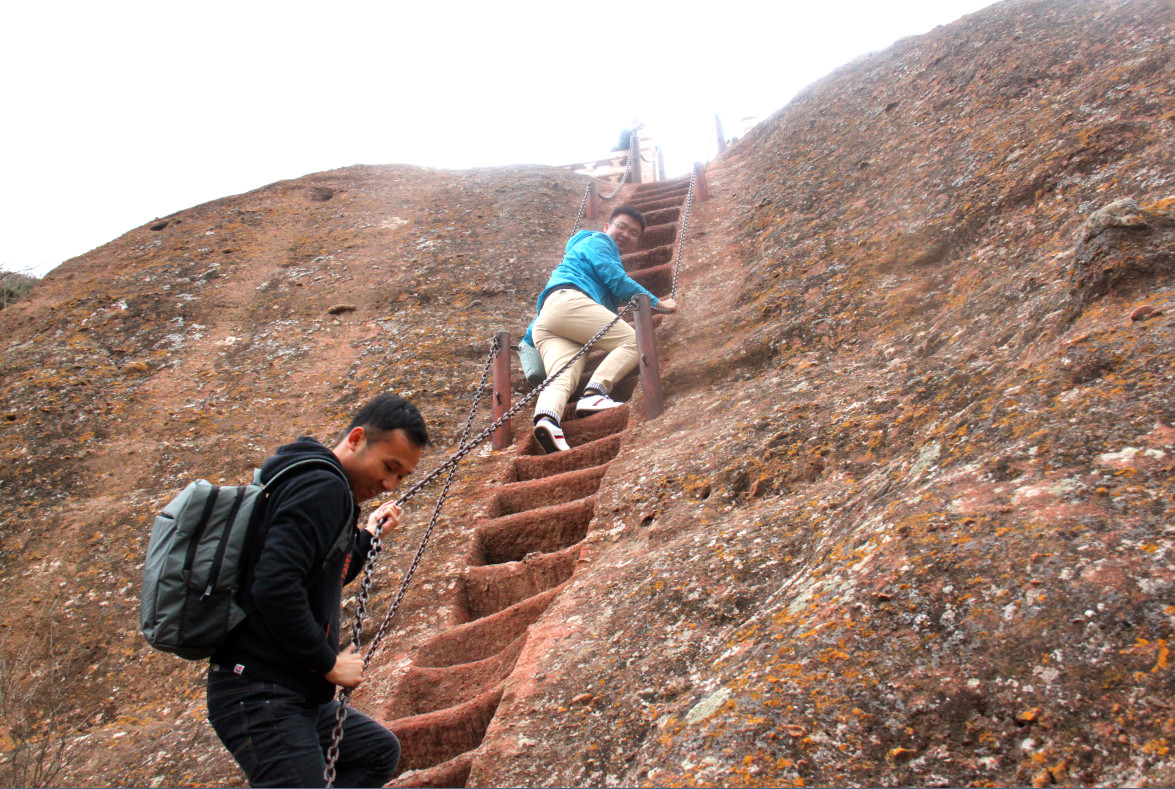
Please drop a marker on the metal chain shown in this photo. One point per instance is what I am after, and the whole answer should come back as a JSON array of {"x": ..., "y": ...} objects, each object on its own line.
[
  {"x": 460, "y": 454},
  {"x": 632, "y": 144},
  {"x": 495, "y": 349},
  {"x": 373, "y": 552},
  {"x": 377, "y": 542},
  {"x": 471, "y": 445},
  {"x": 587, "y": 192},
  {"x": 332, "y": 753},
  {"x": 464, "y": 447},
  {"x": 689, "y": 199},
  {"x": 633, "y": 150},
  {"x": 450, "y": 465}
]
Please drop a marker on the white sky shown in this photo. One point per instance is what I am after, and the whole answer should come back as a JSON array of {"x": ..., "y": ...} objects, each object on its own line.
[{"x": 116, "y": 112}]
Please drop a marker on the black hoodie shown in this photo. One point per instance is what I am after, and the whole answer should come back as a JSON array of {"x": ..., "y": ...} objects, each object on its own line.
[{"x": 291, "y": 635}]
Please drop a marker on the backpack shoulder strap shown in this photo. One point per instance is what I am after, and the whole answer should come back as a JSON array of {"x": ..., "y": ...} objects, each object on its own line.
[
  {"x": 321, "y": 462},
  {"x": 342, "y": 540}
]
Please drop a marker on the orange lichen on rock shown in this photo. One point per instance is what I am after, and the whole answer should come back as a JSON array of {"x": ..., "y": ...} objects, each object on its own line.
[{"x": 904, "y": 521}]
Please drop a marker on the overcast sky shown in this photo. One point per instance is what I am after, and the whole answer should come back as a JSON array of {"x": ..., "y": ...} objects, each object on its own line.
[{"x": 117, "y": 112}]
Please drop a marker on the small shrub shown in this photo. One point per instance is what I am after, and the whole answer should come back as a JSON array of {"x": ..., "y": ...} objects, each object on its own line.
[
  {"x": 35, "y": 688},
  {"x": 13, "y": 286}
]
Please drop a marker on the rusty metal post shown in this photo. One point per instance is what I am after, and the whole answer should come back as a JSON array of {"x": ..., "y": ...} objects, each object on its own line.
[
  {"x": 646, "y": 346},
  {"x": 700, "y": 190},
  {"x": 593, "y": 204},
  {"x": 503, "y": 436}
]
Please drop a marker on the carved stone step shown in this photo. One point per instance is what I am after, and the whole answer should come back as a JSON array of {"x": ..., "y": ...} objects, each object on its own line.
[
  {"x": 650, "y": 257},
  {"x": 484, "y": 637},
  {"x": 587, "y": 455},
  {"x": 657, "y": 235},
  {"x": 659, "y": 188},
  {"x": 436, "y": 737},
  {"x": 662, "y": 216},
  {"x": 657, "y": 280},
  {"x": 556, "y": 489},
  {"x": 454, "y": 772},
  {"x": 543, "y": 530},
  {"x": 494, "y": 587},
  {"x": 654, "y": 204},
  {"x": 428, "y": 689},
  {"x": 582, "y": 431}
]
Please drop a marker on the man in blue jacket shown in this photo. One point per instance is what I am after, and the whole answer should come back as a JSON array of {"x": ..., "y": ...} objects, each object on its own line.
[
  {"x": 271, "y": 685},
  {"x": 582, "y": 296}
]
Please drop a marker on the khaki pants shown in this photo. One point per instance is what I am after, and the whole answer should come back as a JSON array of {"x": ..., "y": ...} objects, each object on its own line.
[{"x": 567, "y": 320}]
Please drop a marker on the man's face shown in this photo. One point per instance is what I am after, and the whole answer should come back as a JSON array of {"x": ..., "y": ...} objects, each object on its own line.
[
  {"x": 625, "y": 231},
  {"x": 377, "y": 467}
]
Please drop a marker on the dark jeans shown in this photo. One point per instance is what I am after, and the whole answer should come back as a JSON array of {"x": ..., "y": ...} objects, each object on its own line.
[{"x": 280, "y": 739}]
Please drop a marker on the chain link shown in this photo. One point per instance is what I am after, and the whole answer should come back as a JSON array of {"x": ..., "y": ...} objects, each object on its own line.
[
  {"x": 332, "y": 753},
  {"x": 369, "y": 568},
  {"x": 689, "y": 199},
  {"x": 583, "y": 206},
  {"x": 465, "y": 446},
  {"x": 633, "y": 149}
]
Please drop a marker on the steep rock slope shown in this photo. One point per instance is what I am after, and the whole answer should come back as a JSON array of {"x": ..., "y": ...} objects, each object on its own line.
[
  {"x": 906, "y": 518},
  {"x": 190, "y": 347}
]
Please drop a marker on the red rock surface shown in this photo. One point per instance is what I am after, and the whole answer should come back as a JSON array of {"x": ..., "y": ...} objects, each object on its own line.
[{"x": 906, "y": 519}]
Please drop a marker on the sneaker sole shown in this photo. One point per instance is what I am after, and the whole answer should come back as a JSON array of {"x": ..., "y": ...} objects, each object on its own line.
[{"x": 546, "y": 440}]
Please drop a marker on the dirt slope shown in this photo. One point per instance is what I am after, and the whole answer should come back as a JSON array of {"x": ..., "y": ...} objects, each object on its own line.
[
  {"x": 193, "y": 345},
  {"x": 905, "y": 521}
]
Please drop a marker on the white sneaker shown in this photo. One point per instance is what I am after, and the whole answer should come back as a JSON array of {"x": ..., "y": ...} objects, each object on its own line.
[
  {"x": 594, "y": 403},
  {"x": 550, "y": 436}
]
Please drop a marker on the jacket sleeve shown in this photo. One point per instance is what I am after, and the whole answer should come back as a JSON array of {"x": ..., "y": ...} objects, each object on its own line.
[
  {"x": 301, "y": 530},
  {"x": 605, "y": 260}
]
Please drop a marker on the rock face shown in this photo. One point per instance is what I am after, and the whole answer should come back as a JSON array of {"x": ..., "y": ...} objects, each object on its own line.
[
  {"x": 190, "y": 347},
  {"x": 906, "y": 519},
  {"x": 1125, "y": 248}
]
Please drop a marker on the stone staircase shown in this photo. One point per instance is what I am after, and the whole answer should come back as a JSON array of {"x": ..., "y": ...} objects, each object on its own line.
[{"x": 521, "y": 554}]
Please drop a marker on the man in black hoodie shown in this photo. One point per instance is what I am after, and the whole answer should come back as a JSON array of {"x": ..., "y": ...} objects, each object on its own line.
[{"x": 271, "y": 686}]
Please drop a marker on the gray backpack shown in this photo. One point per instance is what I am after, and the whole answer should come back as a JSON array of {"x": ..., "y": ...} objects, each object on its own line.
[
  {"x": 532, "y": 363},
  {"x": 192, "y": 574}
]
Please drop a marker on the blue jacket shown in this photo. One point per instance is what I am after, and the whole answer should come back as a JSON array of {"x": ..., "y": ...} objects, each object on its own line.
[{"x": 591, "y": 262}]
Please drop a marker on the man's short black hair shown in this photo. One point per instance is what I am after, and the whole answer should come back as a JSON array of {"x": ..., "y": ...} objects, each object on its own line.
[
  {"x": 629, "y": 211},
  {"x": 388, "y": 412}
]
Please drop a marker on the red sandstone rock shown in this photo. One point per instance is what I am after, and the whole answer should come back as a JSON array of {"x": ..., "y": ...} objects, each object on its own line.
[
  {"x": 1143, "y": 312},
  {"x": 914, "y": 477}
]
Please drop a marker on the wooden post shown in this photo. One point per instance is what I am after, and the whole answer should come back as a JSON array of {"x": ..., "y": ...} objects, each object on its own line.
[
  {"x": 501, "y": 394},
  {"x": 593, "y": 204},
  {"x": 700, "y": 190},
  {"x": 646, "y": 345}
]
